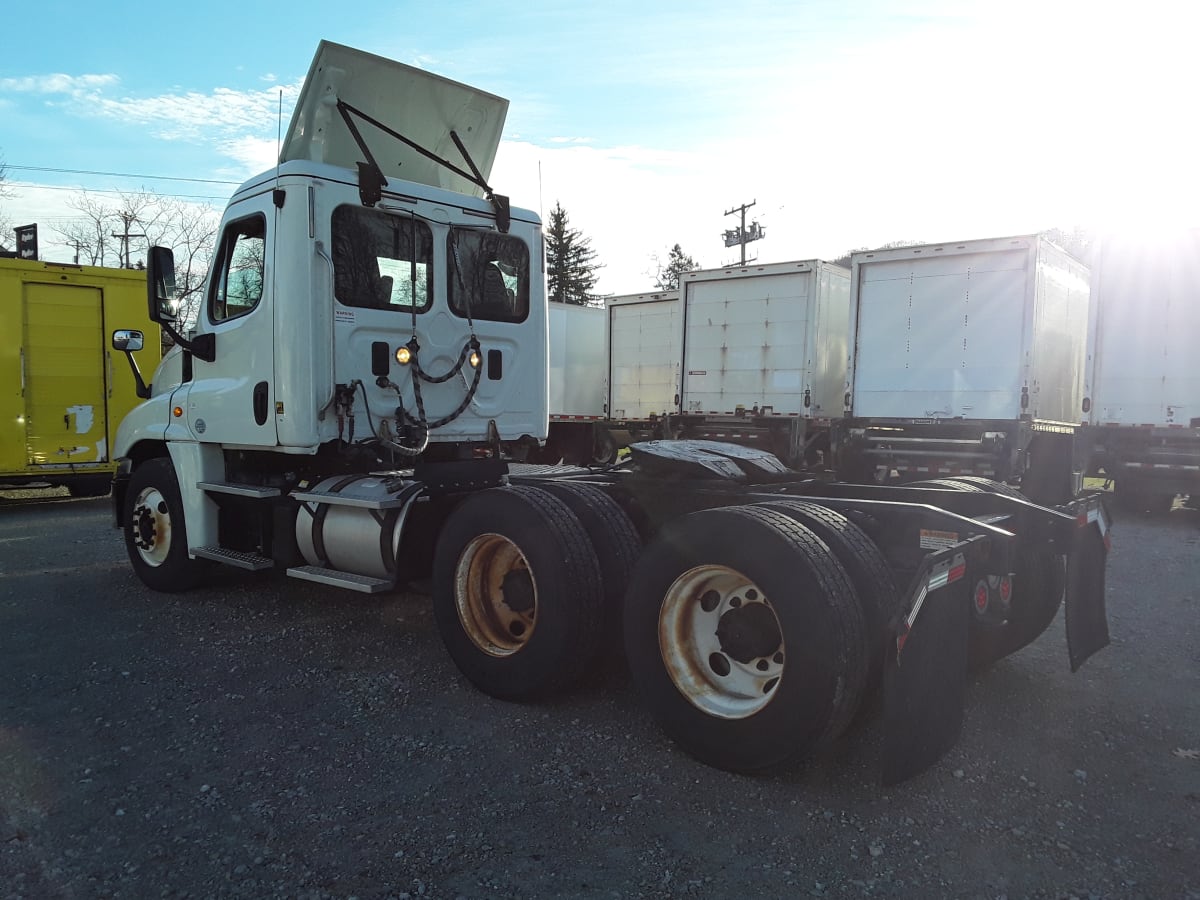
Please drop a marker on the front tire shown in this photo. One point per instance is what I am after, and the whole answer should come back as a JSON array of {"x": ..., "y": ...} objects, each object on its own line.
[{"x": 155, "y": 533}]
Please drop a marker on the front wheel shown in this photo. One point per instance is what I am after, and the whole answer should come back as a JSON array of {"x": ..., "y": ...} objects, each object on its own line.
[{"x": 155, "y": 534}]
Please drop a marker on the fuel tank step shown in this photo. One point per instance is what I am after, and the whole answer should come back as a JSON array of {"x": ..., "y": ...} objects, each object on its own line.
[
  {"x": 363, "y": 583},
  {"x": 239, "y": 490},
  {"x": 252, "y": 561},
  {"x": 333, "y": 498}
]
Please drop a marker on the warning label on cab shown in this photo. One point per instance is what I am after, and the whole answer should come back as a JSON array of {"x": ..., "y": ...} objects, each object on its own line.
[{"x": 936, "y": 540}]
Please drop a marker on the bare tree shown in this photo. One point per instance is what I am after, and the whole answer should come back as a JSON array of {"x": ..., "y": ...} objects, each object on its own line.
[
  {"x": 124, "y": 230},
  {"x": 192, "y": 235},
  {"x": 6, "y": 225},
  {"x": 88, "y": 234}
]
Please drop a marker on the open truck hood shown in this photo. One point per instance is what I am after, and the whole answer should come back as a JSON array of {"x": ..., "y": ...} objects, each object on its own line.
[{"x": 423, "y": 107}]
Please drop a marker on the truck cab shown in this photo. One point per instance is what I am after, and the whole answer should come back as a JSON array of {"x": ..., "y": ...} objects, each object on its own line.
[{"x": 371, "y": 302}]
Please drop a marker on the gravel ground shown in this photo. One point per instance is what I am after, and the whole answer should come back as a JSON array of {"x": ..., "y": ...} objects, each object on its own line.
[{"x": 266, "y": 737}]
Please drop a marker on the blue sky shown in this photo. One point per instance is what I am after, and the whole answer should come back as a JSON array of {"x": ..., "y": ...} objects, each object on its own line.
[{"x": 850, "y": 123}]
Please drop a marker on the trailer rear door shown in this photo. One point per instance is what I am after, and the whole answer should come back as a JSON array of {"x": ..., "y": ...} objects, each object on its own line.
[
  {"x": 941, "y": 336},
  {"x": 644, "y": 353},
  {"x": 1147, "y": 365},
  {"x": 745, "y": 343},
  {"x": 64, "y": 382}
]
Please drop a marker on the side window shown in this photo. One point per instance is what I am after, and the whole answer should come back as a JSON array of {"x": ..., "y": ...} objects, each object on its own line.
[
  {"x": 381, "y": 261},
  {"x": 489, "y": 275},
  {"x": 238, "y": 287}
]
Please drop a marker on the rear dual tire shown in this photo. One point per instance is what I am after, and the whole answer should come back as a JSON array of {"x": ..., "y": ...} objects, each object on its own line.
[
  {"x": 745, "y": 637},
  {"x": 517, "y": 592}
]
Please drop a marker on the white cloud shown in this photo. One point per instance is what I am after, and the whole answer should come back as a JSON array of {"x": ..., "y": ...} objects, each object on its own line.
[
  {"x": 72, "y": 85},
  {"x": 193, "y": 115},
  {"x": 252, "y": 154},
  {"x": 236, "y": 121}
]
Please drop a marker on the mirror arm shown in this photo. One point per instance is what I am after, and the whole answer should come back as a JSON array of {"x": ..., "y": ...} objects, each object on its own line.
[
  {"x": 140, "y": 387},
  {"x": 202, "y": 345}
]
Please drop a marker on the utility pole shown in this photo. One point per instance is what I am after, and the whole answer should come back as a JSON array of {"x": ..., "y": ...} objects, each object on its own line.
[
  {"x": 740, "y": 236},
  {"x": 128, "y": 219}
]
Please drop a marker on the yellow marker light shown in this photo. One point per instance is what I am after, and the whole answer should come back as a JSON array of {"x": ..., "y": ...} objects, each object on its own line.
[
  {"x": 403, "y": 355},
  {"x": 177, "y": 412},
  {"x": 473, "y": 359}
]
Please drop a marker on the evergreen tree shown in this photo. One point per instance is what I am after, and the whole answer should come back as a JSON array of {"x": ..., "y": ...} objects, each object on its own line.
[
  {"x": 570, "y": 261},
  {"x": 678, "y": 262}
]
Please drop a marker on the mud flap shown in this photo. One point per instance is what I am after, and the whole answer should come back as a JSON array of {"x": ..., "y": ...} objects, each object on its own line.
[
  {"x": 925, "y": 674},
  {"x": 1087, "y": 615}
]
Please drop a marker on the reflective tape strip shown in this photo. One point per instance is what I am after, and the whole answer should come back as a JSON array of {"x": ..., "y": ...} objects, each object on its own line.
[
  {"x": 944, "y": 471},
  {"x": 1171, "y": 466},
  {"x": 1093, "y": 514},
  {"x": 943, "y": 574}
]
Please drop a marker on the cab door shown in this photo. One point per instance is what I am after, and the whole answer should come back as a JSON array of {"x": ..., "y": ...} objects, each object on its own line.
[{"x": 230, "y": 400}]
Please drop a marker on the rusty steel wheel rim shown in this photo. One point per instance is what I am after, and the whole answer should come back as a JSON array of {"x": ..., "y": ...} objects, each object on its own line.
[
  {"x": 495, "y": 595},
  {"x": 152, "y": 526},
  {"x": 721, "y": 642}
]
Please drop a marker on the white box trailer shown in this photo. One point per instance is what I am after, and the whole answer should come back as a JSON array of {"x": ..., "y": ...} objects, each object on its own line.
[
  {"x": 966, "y": 358},
  {"x": 764, "y": 354},
  {"x": 645, "y": 341},
  {"x": 578, "y": 370},
  {"x": 1144, "y": 371}
]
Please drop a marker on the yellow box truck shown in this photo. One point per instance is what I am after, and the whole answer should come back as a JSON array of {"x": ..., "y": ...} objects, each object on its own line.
[{"x": 62, "y": 395}]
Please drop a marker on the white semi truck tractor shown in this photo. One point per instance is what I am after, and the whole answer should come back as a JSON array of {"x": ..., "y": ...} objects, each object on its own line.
[{"x": 365, "y": 377}]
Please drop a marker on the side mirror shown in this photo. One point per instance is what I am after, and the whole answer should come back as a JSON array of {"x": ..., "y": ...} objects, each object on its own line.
[
  {"x": 164, "y": 305},
  {"x": 160, "y": 285},
  {"x": 128, "y": 340}
]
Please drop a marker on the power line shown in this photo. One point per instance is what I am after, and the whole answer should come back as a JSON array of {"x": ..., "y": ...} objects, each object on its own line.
[
  {"x": 61, "y": 187},
  {"x": 115, "y": 174}
]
